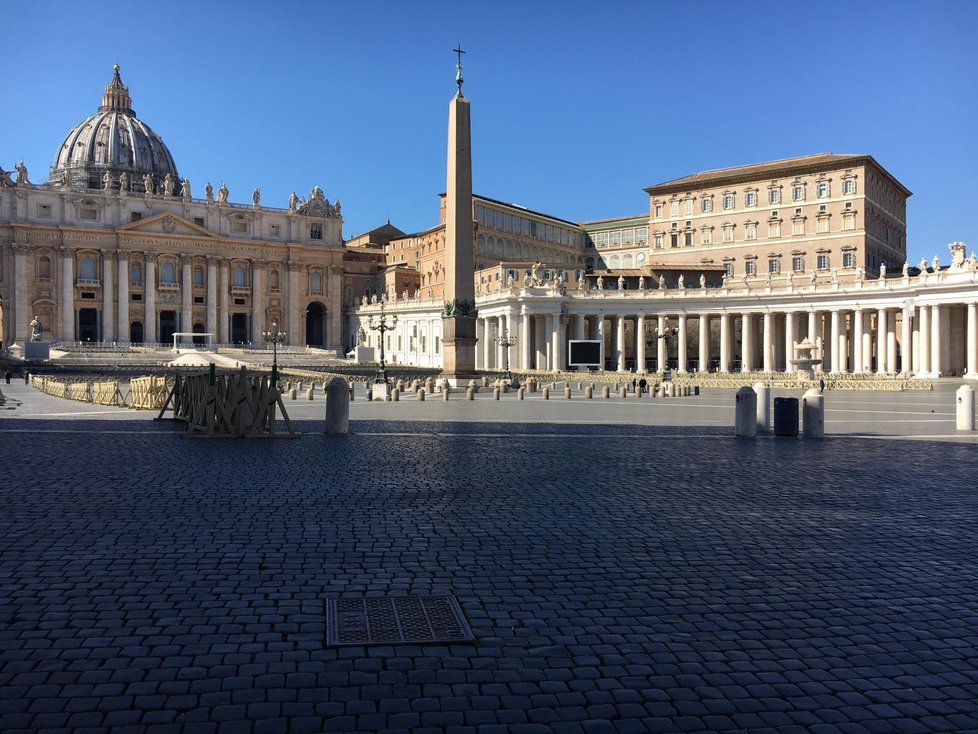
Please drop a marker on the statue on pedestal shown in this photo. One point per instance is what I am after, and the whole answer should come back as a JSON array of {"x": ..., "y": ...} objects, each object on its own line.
[
  {"x": 702, "y": 281},
  {"x": 147, "y": 183},
  {"x": 256, "y": 197},
  {"x": 36, "y": 329},
  {"x": 209, "y": 192},
  {"x": 123, "y": 182},
  {"x": 621, "y": 282},
  {"x": 293, "y": 201},
  {"x": 641, "y": 282},
  {"x": 682, "y": 282},
  {"x": 107, "y": 181},
  {"x": 222, "y": 194},
  {"x": 662, "y": 282},
  {"x": 185, "y": 188},
  {"x": 168, "y": 185},
  {"x": 21, "y": 173}
]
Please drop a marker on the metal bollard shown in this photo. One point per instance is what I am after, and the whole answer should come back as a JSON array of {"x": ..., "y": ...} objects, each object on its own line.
[
  {"x": 965, "y": 403},
  {"x": 588, "y": 392},
  {"x": 338, "y": 396},
  {"x": 606, "y": 392},
  {"x": 470, "y": 393},
  {"x": 421, "y": 394},
  {"x": 813, "y": 415},
  {"x": 545, "y": 394},
  {"x": 745, "y": 422},
  {"x": 567, "y": 393},
  {"x": 395, "y": 395},
  {"x": 495, "y": 394},
  {"x": 521, "y": 393},
  {"x": 763, "y": 407}
]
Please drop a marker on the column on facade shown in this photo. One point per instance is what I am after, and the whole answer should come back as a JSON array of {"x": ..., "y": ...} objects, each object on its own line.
[
  {"x": 843, "y": 343},
  {"x": 789, "y": 340},
  {"x": 108, "y": 297},
  {"x": 857, "y": 341},
  {"x": 599, "y": 327},
  {"x": 22, "y": 307},
  {"x": 480, "y": 336},
  {"x": 704, "y": 342},
  {"x": 936, "y": 342},
  {"x": 67, "y": 294},
  {"x": 540, "y": 341},
  {"x": 149, "y": 325},
  {"x": 212, "y": 297},
  {"x": 187, "y": 293},
  {"x": 661, "y": 354},
  {"x": 640, "y": 343},
  {"x": 294, "y": 330},
  {"x": 724, "y": 342},
  {"x": 891, "y": 344},
  {"x": 768, "y": 361},
  {"x": 923, "y": 340},
  {"x": 971, "y": 341},
  {"x": 258, "y": 300},
  {"x": 906, "y": 336},
  {"x": 620, "y": 342},
  {"x": 559, "y": 343},
  {"x": 746, "y": 344},
  {"x": 881, "y": 329},
  {"x": 813, "y": 337},
  {"x": 681, "y": 343},
  {"x": 122, "y": 325},
  {"x": 834, "y": 340},
  {"x": 524, "y": 341},
  {"x": 501, "y": 331}
]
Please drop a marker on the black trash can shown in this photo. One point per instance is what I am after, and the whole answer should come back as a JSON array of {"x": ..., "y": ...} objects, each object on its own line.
[{"x": 786, "y": 417}]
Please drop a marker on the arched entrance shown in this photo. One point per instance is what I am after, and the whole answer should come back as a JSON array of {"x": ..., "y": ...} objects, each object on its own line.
[
  {"x": 198, "y": 329},
  {"x": 136, "y": 332},
  {"x": 315, "y": 325}
]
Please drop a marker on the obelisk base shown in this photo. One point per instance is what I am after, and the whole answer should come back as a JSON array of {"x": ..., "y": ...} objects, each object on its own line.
[{"x": 458, "y": 344}]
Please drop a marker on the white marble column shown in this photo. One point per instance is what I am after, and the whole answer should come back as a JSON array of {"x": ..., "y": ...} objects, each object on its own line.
[
  {"x": 704, "y": 342},
  {"x": 724, "y": 342},
  {"x": 936, "y": 343},
  {"x": 524, "y": 341},
  {"x": 541, "y": 338},
  {"x": 186, "y": 294},
  {"x": 296, "y": 333},
  {"x": 813, "y": 337},
  {"x": 891, "y": 344},
  {"x": 122, "y": 325},
  {"x": 923, "y": 341},
  {"x": 22, "y": 302},
  {"x": 681, "y": 344},
  {"x": 906, "y": 337},
  {"x": 108, "y": 297},
  {"x": 620, "y": 342},
  {"x": 768, "y": 360},
  {"x": 834, "y": 340},
  {"x": 971, "y": 342},
  {"x": 149, "y": 289},
  {"x": 857, "y": 342},
  {"x": 67, "y": 294},
  {"x": 501, "y": 331},
  {"x": 746, "y": 343},
  {"x": 881, "y": 329},
  {"x": 789, "y": 340},
  {"x": 580, "y": 327},
  {"x": 599, "y": 327},
  {"x": 661, "y": 354},
  {"x": 558, "y": 345},
  {"x": 211, "y": 325},
  {"x": 640, "y": 343},
  {"x": 258, "y": 302},
  {"x": 842, "y": 344}
]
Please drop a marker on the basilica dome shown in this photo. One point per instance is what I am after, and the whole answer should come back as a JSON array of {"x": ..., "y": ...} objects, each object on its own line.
[{"x": 113, "y": 141}]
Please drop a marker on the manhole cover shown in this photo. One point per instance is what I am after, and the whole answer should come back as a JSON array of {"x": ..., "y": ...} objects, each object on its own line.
[{"x": 395, "y": 620}]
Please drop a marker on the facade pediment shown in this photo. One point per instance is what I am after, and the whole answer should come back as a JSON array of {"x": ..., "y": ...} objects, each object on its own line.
[{"x": 167, "y": 223}]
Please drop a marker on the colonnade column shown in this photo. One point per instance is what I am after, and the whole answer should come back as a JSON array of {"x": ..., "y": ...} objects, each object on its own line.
[
  {"x": 842, "y": 344},
  {"x": 212, "y": 297},
  {"x": 187, "y": 294},
  {"x": 558, "y": 344},
  {"x": 149, "y": 321},
  {"x": 640, "y": 343},
  {"x": 891, "y": 344},
  {"x": 936, "y": 363},
  {"x": 834, "y": 340},
  {"x": 881, "y": 341},
  {"x": 768, "y": 360},
  {"x": 906, "y": 361},
  {"x": 746, "y": 344},
  {"x": 524, "y": 341},
  {"x": 620, "y": 342},
  {"x": 22, "y": 307},
  {"x": 704, "y": 342},
  {"x": 500, "y": 331},
  {"x": 660, "y": 351},
  {"x": 681, "y": 355},
  {"x": 122, "y": 325},
  {"x": 971, "y": 342},
  {"x": 599, "y": 326},
  {"x": 480, "y": 337},
  {"x": 857, "y": 342},
  {"x": 108, "y": 297},
  {"x": 814, "y": 339},
  {"x": 724, "y": 342},
  {"x": 923, "y": 340},
  {"x": 789, "y": 340}
]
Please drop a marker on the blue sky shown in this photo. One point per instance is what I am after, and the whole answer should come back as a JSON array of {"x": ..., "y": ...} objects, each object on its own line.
[{"x": 576, "y": 106}]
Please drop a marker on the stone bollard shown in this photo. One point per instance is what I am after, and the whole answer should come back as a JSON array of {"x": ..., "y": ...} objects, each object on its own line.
[
  {"x": 485, "y": 381},
  {"x": 579, "y": 386},
  {"x": 446, "y": 390},
  {"x": 965, "y": 404},
  {"x": 309, "y": 394},
  {"x": 606, "y": 392},
  {"x": 421, "y": 394},
  {"x": 470, "y": 393},
  {"x": 338, "y": 395},
  {"x": 395, "y": 395},
  {"x": 567, "y": 393},
  {"x": 474, "y": 385},
  {"x": 588, "y": 392},
  {"x": 293, "y": 394},
  {"x": 638, "y": 392},
  {"x": 521, "y": 393},
  {"x": 495, "y": 393},
  {"x": 763, "y": 407},
  {"x": 812, "y": 415},
  {"x": 546, "y": 393},
  {"x": 429, "y": 385},
  {"x": 746, "y": 415},
  {"x": 623, "y": 392},
  {"x": 400, "y": 385}
]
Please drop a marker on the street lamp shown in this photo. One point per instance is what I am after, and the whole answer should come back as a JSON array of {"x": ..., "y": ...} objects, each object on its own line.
[
  {"x": 506, "y": 341},
  {"x": 382, "y": 326},
  {"x": 274, "y": 336},
  {"x": 665, "y": 336}
]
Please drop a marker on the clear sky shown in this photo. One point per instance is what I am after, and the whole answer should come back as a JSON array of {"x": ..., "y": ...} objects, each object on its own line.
[{"x": 576, "y": 106}]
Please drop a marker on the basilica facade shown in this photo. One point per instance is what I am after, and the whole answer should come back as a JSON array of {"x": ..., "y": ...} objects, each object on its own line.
[{"x": 114, "y": 248}]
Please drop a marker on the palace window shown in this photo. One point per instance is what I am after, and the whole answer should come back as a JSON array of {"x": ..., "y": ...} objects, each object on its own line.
[
  {"x": 774, "y": 229},
  {"x": 688, "y": 206},
  {"x": 728, "y": 268},
  {"x": 774, "y": 266},
  {"x": 750, "y": 198},
  {"x": 707, "y": 235},
  {"x": 822, "y": 225},
  {"x": 774, "y": 195},
  {"x": 658, "y": 211},
  {"x": 849, "y": 186},
  {"x": 822, "y": 262},
  {"x": 688, "y": 239},
  {"x": 798, "y": 264},
  {"x": 750, "y": 267},
  {"x": 798, "y": 226},
  {"x": 750, "y": 231},
  {"x": 658, "y": 242},
  {"x": 822, "y": 189},
  {"x": 848, "y": 259},
  {"x": 729, "y": 201},
  {"x": 168, "y": 273},
  {"x": 848, "y": 220},
  {"x": 674, "y": 208},
  {"x": 728, "y": 233},
  {"x": 706, "y": 204},
  {"x": 798, "y": 192},
  {"x": 674, "y": 239}
]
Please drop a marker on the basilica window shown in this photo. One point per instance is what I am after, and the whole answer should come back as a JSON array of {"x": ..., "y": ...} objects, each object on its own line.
[
  {"x": 274, "y": 281},
  {"x": 239, "y": 277},
  {"x": 316, "y": 282},
  {"x": 136, "y": 274},
  {"x": 168, "y": 273},
  {"x": 44, "y": 211},
  {"x": 44, "y": 268},
  {"x": 87, "y": 269},
  {"x": 315, "y": 231},
  {"x": 198, "y": 277}
]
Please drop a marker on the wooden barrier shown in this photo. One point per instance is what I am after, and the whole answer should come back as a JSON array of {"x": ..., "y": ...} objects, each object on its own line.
[{"x": 147, "y": 393}]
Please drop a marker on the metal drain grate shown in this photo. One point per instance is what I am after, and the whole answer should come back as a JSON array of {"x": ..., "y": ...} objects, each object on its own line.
[{"x": 395, "y": 620}]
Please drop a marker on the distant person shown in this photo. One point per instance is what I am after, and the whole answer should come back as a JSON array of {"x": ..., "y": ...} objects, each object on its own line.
[
  {"x": 821, "y": 384},
  {"x": 643, "y": 385}
]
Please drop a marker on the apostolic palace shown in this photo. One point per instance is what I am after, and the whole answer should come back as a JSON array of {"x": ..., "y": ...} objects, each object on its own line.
[{"x": 726, "y": 270}]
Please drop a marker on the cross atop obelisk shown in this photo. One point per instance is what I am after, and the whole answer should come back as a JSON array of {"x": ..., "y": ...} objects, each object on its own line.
[{"x": 458, "y": 67}]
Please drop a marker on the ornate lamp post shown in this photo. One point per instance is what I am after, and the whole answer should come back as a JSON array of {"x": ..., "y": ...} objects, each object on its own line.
[
  {"x": 665, "y": 335},
  {"x": 274, "y": 336},
  {"x": 382, "y": 326},
  {"x": 506, "y": 341}
]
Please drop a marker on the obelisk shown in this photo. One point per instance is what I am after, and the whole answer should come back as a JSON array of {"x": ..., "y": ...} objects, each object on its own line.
[{"x": 458, "y": 315}]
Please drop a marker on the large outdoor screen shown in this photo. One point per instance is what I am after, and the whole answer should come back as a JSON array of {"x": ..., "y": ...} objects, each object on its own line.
[{"x": 584, "y": 354}]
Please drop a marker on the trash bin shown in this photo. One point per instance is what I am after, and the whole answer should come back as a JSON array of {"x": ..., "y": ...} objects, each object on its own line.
[{"x": 786, "y": 417}]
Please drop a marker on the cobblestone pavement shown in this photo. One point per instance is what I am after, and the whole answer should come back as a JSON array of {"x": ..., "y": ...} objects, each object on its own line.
[{"x": 618, "y": 578}]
